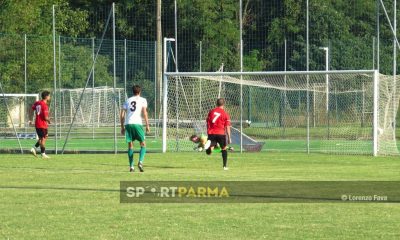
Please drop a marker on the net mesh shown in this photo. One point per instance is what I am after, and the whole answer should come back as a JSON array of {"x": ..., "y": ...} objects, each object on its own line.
[
  {"x": 277, "y": 110},
  {"x": 14, "y": 120},
  {"x": 388, "y": 107},
  {"x": 95, "y": 108}
]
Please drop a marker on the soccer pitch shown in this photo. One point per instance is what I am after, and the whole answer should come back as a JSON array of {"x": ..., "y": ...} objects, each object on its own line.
[{"x": 77, "y": 197}]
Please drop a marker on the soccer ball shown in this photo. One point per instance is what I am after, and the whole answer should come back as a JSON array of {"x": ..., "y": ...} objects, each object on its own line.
[
  {"x": 200, "y": 149},
  {"x": 248, "y": 122}
]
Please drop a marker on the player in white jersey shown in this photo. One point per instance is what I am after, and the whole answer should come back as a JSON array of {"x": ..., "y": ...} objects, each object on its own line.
[{"x": 131, "y": 125}]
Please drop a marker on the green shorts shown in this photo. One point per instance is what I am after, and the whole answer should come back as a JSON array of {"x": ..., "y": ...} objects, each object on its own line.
[{"x": 134, "y": 132}]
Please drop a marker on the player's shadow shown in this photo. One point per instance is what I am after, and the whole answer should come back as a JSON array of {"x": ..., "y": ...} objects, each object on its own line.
[
  {"x": 239, "y": 198},
  {"x": 164, "y": 167},
  {"x": 146, "y": 166},
  {"x": 111, "y": 164},
  {"x": 58, "y": 169}
]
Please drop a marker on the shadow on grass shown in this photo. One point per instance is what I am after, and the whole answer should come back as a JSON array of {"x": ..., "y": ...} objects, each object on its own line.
[
  {"x": 238, "y": 198},
  {"x": 59, "y": 188},
  {"x": 71, "y": 170},
  {"x": 164, "y": 167}
]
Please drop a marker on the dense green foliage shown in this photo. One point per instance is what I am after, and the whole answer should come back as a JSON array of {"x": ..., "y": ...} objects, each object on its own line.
[{"x": 348, "y": 28}]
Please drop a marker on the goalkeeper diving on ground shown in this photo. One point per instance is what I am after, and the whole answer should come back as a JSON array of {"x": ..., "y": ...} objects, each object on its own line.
[{"x": 202, "y": 141}]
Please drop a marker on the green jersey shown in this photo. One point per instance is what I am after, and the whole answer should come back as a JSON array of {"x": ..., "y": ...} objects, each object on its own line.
[{"x": 203, "y": 140}]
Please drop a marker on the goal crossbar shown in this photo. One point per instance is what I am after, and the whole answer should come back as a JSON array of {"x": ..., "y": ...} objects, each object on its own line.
[
  {"x": 272, "y": 73},
  {"x": 19, "y": 95}
]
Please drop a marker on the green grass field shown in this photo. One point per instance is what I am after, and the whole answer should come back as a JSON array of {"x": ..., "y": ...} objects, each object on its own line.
[
  {"x": 77, "y": 197},
  {"x": 155, "y": 145}
]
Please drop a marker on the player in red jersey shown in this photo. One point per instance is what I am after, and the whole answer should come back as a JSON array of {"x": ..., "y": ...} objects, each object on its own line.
[
  {"x": 218, "y": 130},
  {"x": 42, "y": 120}
]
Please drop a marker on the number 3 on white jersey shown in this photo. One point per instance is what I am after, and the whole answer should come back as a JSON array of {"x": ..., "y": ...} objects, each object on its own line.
[{"x": 217, "y": 115}]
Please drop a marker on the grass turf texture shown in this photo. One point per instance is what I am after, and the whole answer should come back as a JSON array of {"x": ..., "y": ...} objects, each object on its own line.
[{"x": 76, "y": 197}]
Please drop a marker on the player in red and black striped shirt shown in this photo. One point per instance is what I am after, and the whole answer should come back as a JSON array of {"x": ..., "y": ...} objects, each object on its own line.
[
  {"x": 42, "y": 120},
  {"x": 218, "y": 130}
]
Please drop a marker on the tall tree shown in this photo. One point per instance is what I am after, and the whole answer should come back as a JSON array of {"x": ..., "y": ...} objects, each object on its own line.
[{"x": 33, "y": 18}]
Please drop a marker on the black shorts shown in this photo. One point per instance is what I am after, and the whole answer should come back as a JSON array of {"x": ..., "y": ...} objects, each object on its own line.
[
  {"x": 217, "y": 138},
  {"x": 41, "y": 132}
]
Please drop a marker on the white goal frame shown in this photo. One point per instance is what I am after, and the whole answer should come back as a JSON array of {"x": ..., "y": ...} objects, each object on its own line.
[
  {"x": 36, "y": 96},
  {"x": 23, "y": 95},
  {"x": 375, "y": 74}
]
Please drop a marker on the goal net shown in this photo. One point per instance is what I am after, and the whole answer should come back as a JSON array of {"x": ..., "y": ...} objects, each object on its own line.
[
  {"x": 95, "y": 108},
  {"x": 389, "y": 96},
  {"x": 288, "y": 111},
  {"x": 14, "y": 120},
  {"x": 89, "y": 113}
]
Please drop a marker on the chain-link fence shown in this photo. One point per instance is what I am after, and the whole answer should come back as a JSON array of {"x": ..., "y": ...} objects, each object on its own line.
[
  {"x": 341, "y": 36},
  {"x": 89, "y": 79}
]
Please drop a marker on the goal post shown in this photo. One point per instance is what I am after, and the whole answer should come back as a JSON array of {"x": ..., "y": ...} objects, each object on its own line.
[
  {"x": 94, "y": 109},
  {"x": 15, "y": 109},
  {"x": 387, "y": 102},
  {"x": 88, "y": 114},
  {"x": 375, "y": 113},
  {"x": 14, "y": 120},
  {"x": 353, "y": 114}
]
